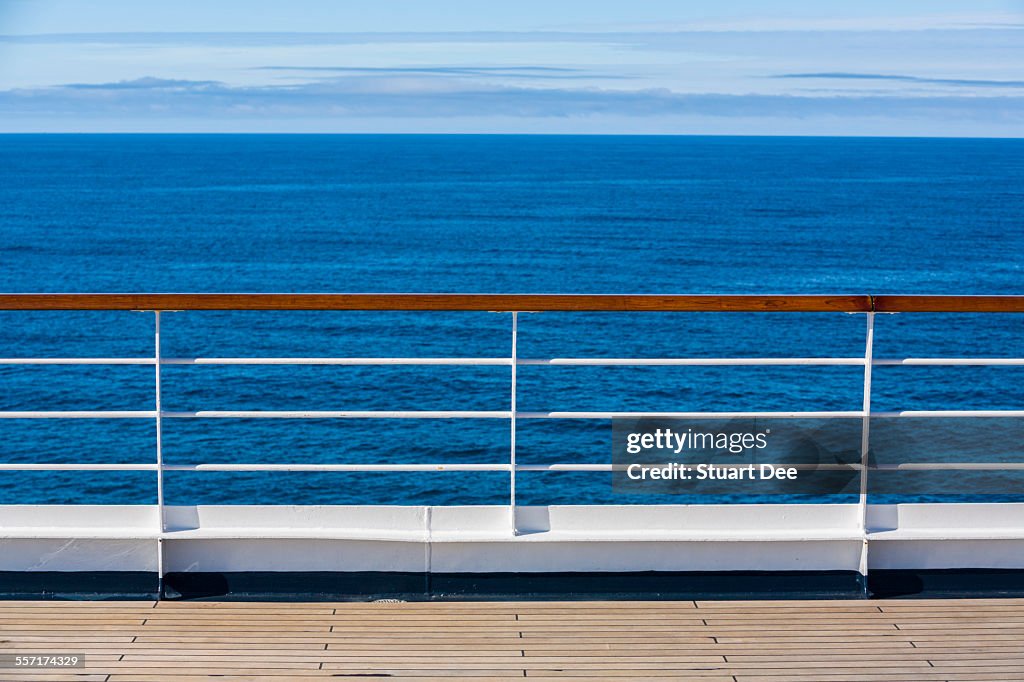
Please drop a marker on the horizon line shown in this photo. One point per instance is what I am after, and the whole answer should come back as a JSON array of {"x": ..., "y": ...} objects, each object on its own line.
[{"x": 501, "y": 134}]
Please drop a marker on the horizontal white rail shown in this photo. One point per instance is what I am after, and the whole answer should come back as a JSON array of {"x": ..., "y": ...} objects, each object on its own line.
[
  {"x": 953, "y": 362},
  {"x": 339, "y": 361},
  {"x": 505, "y": 362},
  {"x": 688, "y": 415},
  {"x": 483, "y": 414},
  {"x": 77, "y": 467},
  {"x": 951, "y": 466},
  {"x": 79, "y": 414},
  {"x": 77, "y": 361},
  {"x": 696, "y": 362},
  {"x": 624, "y": 467},
  {"x": 384, "y": 468},
  {"x": 336, "y": 467},
  {"x": 259, "y": 414},
  {"x": 341, "y": 414},
  {"x": 949, "y": 413}
]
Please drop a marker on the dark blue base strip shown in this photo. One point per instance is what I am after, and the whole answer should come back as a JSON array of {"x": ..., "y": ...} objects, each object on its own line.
[
  {"x": 652, "y": 585},
  {"x": 313, "y": 586},
  {"x": 518, "y": 586},
  {"x": 120, "y": 585},
  {"x": 371, "y": 585},
  {"x": 954, "y": 583}
]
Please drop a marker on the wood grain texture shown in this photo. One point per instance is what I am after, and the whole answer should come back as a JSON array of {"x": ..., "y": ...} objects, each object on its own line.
[
  {"x": 815, "y": 641},
  {"x": 517, "y": 302},
  {"x": 949, "y": 304},
  {"x": 478, "y": 302}
]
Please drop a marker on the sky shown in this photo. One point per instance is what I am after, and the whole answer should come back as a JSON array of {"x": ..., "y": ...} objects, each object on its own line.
[{"x": 764, "y": 67}]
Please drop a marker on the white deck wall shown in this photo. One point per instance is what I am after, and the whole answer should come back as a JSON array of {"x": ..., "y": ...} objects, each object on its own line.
[{"x": 480, "y": 540}]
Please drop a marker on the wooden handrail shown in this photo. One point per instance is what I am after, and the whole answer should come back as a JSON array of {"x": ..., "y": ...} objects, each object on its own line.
[
  {"x": 514, "y": 302},
  {"x": 949, "y": 304},
  {"x": 495, "y": 302}
]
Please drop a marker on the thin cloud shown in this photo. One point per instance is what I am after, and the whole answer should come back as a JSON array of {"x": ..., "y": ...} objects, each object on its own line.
[
  {"x": 656, "y": 36},
  {"x": 422, "y": 69},
  {"x": 962, "y": 82},
  {"x": 372, "y": 96},
  {"x": 286, "y": 38},
  {"x": 146, "y": 83},
  {"x": 518, "y": 72}
]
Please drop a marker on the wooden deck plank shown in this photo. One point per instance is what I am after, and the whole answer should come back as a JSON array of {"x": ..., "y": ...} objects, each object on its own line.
[
  {"x": 774, "y": 641},
  {"x": 320, "y": 678},
  {"x": 62, "y": 677}
]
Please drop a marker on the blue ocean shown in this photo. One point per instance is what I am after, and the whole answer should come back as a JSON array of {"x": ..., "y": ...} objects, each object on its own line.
[{"x": 488, "y": 214}]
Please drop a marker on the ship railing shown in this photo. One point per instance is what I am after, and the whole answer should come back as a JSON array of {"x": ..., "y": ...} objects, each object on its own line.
[{"x": 513, "y": 305}]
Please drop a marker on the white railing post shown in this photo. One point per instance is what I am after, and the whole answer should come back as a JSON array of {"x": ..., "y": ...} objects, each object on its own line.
[
  {"x": 512, "y": 431},
  {"x": 865, "y": 434},
  {"x": 159, "y": 464}
]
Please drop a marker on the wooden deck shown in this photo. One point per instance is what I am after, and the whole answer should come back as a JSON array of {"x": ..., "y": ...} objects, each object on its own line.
[{"x": 813, "y": 641}]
